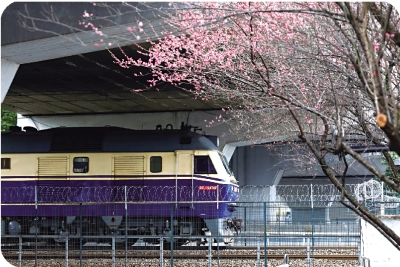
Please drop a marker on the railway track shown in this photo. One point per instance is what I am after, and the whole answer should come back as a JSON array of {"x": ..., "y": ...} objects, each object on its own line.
[
  {"x": 166, "y": 248},
  {"x": 194, "y": 257},
  {"x": 294, "y": 253}
]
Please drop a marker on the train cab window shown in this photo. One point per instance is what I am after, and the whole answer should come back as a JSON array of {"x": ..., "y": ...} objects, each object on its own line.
[
  {"x": 226, "y": 164},
  {"x": 81, "y": 165},
  {"x": 203, "y": 165},
  {"x": 156, "y": 164},
  {"x": 5, "y": 163}
]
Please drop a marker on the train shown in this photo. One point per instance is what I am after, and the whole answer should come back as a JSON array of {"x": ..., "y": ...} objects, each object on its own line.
[{"x": 99, "y": 181}]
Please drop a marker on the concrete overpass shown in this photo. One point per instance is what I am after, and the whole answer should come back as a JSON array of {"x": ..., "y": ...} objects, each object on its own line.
[
  {"x": 66, "y": 70},
  {"x": 61, "y": 74}
]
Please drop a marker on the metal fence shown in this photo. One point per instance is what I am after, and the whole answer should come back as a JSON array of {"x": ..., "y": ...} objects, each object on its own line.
[{"x": 308, "y": 225}]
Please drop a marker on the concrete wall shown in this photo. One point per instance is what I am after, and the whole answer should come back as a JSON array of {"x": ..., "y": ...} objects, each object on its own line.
[
  {"x": 377, "y": 248},
  {"x": 260, "y": 165},
  {"x": 256, "y": 165}
]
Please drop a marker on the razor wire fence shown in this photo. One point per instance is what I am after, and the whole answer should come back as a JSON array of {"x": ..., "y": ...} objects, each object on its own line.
[
  {"x": 105, "y": 194},
  {"x": 371, "y": 190}
]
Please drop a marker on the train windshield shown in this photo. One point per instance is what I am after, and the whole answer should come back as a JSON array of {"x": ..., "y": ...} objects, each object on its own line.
[
  {"x": 203, "y": 164},
  {"x": 226, "y": 164}
]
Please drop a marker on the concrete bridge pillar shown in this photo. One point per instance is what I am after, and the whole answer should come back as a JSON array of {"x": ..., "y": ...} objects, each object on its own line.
[{"x": 8, "y": 71}]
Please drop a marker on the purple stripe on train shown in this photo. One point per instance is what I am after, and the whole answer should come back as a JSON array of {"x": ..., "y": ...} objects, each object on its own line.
[{"x": 161, "y": 194}]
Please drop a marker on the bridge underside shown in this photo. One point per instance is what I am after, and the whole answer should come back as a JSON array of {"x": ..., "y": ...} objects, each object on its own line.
[
  {"x": 68, "y": 70},
  {"x": 92, "y": 84}
]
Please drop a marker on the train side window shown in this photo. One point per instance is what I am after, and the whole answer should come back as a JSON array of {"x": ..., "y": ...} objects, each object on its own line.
[
  {"x": 156, "y": 164},
  {"x": 203, "y": 165},
  {"x": 5, "y": 163},
  {"x": 81, "y": 165}
]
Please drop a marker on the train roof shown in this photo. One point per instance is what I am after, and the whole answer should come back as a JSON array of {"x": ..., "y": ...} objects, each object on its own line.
[{"x": 104, "y": 139}]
